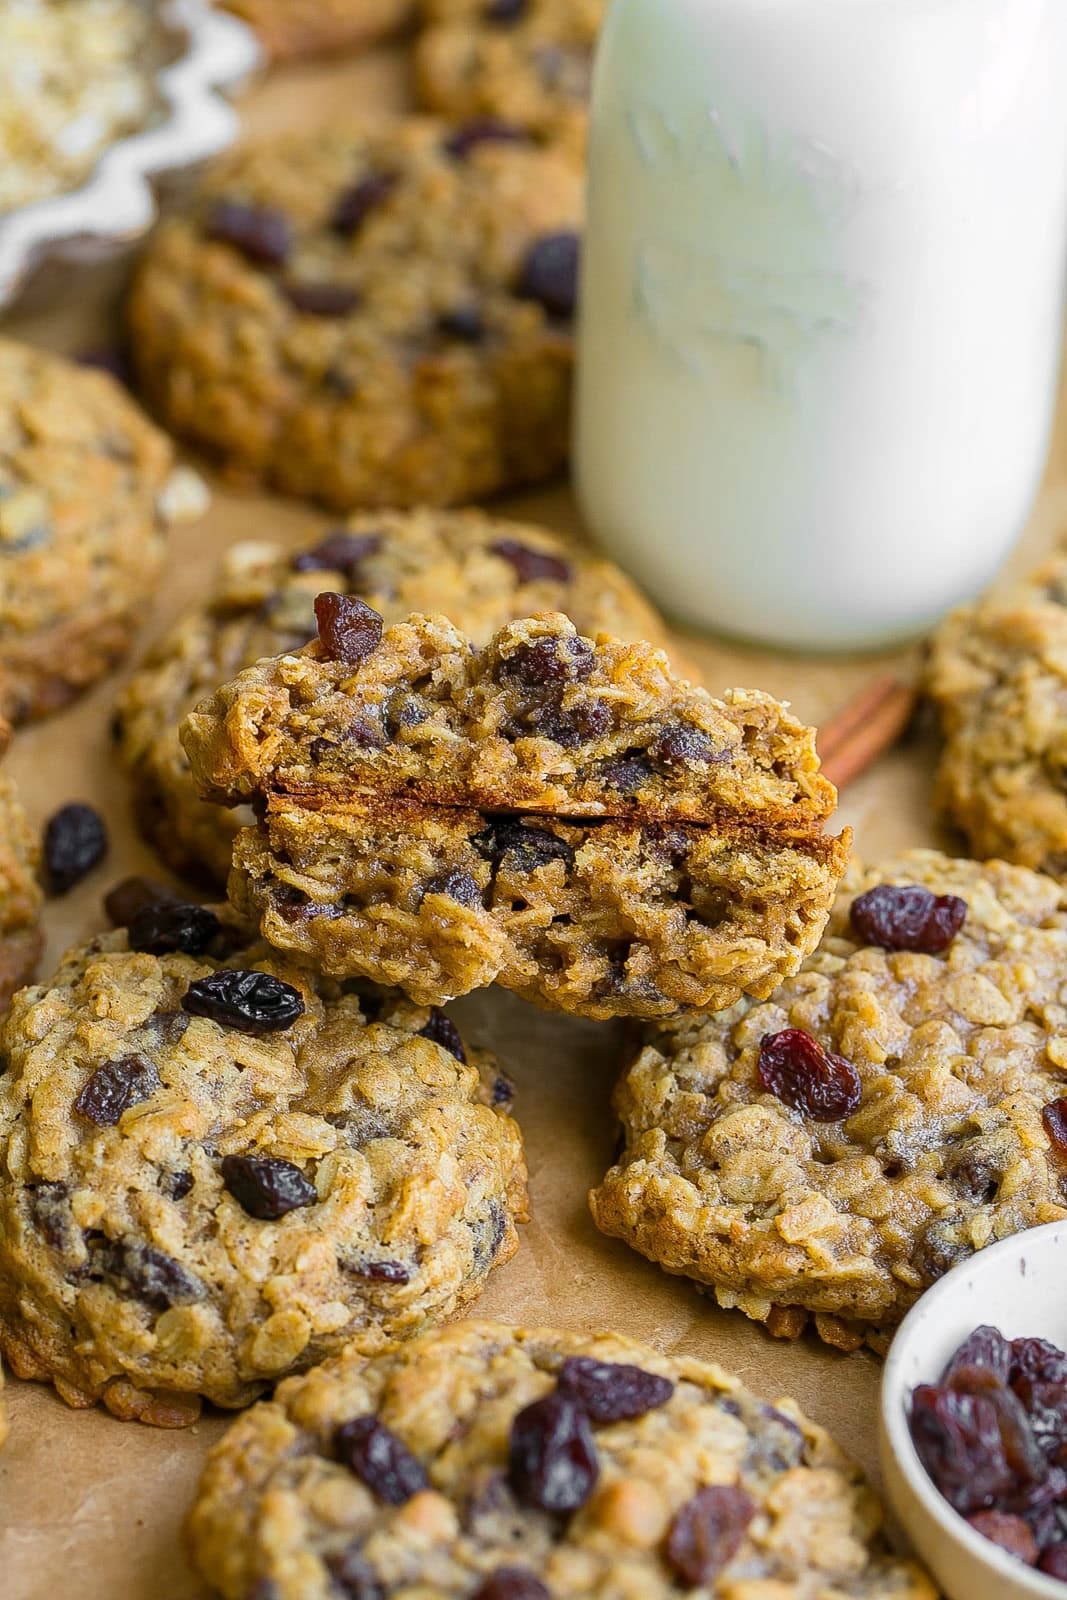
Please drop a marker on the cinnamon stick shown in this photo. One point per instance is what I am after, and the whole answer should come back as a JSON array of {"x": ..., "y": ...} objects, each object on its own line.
[{"x": 865, "y": 729}]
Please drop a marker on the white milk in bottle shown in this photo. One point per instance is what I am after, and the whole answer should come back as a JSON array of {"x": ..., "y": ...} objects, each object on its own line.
[{"x": 821, "y": 304}]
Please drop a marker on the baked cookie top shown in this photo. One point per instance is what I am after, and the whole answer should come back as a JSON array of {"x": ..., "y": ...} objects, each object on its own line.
[
  {"x": 998, "y": 676},
  {"x": 541, "y": 718},
  {"x": 480, "y": 571},
  {"x": 20, "y": 895},
  {"x": 81, "y": 525},
  {"x": 888, "y": 1111},
  {"x": 315, "y": 27},
  {"x": 527, "y": 61},
  {"x": 377, "y": 315},
  {"x": 218, "y": 1168},
  {"x": 521, "y": 1464}
]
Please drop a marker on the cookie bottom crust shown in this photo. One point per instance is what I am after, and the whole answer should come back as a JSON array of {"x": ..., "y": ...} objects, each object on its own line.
[{"x": 599, "y": 919}]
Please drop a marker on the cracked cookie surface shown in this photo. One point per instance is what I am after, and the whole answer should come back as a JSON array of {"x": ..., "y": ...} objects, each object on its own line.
[
  {"x": 81, "y": 526},
  {"x": 192, "y": 1208},
  {"x": 526, "y": 61},
  {"x": 481, "y": 571},
  {"x": 697, "y": 1484},
  {"x": 998, "y": 676},
  {"x": 944, "y": 1147},
  {"x": 377, "y": 316}
]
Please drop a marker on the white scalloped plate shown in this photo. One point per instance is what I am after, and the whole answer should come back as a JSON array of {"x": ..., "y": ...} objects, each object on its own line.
[{"x": 117, "y": 204}]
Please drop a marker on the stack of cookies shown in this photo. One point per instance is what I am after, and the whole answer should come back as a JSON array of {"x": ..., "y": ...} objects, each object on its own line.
[{"x": 243, "y": 1143}]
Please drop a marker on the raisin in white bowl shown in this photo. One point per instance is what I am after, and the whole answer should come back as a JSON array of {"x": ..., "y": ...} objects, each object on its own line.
[{"x": 1020, "y": 1287}]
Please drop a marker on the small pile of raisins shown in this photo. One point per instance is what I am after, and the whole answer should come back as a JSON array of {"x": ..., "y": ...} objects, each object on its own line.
[{"x": 992, "y": 1434}]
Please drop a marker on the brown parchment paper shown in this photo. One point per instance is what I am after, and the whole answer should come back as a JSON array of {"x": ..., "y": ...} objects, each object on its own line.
[{"x": 90, "y": 1507}]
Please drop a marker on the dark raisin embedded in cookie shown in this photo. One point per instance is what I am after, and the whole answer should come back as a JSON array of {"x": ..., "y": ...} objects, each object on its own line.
[
  {"x": 338, "y": 552},
  {"x": 380, "y": 1460},
  {"x": 250, "y": 1001},
  {"x": 443, "y": 1031},
  {"x": 549, "y": 273},
  {"x": 261, "y": 233},
  {"x": 548, "y": 661},
  {"x": 134, "y": 894},
  {"x": 114, "y": 1087},
  {"x": 484, "y": 130},
  {"x": 322, "y": 299},
  {"x": 530, "y": 565},
  {"x": 457, "y": 885},
  {"x": 683, "y": 742},
  {"x": 612, "y": 1391},
  {"x": 707, "y": 1532},
  {"x": 356, "y": 203},
  {"x": 1054, "y": 1120},
  {"x": 512, "y": 1583},
  {"x": 267, "y": 1187},
  {"x": 552, "y": 1459},
  {"x": 75, "y": 841},
  {"x": 348, "y": 627},
  {"x": 794, "y": 1067},
  {"x": 464, "y": 323},
  {"x": 907, "y": 917},
  {"x": 152, "y": 1276},
  {"x": 161, "y": 929}
]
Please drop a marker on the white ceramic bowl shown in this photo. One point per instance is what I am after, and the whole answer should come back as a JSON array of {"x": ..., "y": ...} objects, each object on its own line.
[
  {"x": 1020, "y": 1286},
  {"x": 117, "y": 205}
]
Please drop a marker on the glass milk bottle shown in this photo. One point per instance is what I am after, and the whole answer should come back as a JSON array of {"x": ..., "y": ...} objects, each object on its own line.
[{"x": 821, "y": 304}]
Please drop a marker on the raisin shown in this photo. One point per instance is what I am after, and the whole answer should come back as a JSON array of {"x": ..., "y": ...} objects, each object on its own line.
[
  {"x": 457, "y": 885},
  {"x": 75, "y": 841},
  {"x": 108, "y": 358},
  {"x": 114, "y": 1087},
  {"x": 552, "y": 1459},
  {"x": 137, "y": 1269},
  {"x": 547, "y": 661},
  {"x": 464, "y": 323},
  {"x": 380, "y": 1460},
  {"x": 348, "y": 627},
  {"x": 487, "y": 1235},
  {"x": 338, "y": 552},
  {"x": 609, "y": 1391},
  {"x": 443, "y": 1031},
  {"x": 570, "y": 726},
  {"x": 1054, "y": 1121},
  {"x": 261, "y": 233},
  {"x": 549, "y": 274},
  {"x": 504, "y": 11},
  {"x": 166, "y": 1027},
  {"x": 1037, "y": 1359},
  {"x": 483, "y": 130},
  {"x": 251, "y": 1002},
  {"x": 351, "y": 1575},
  {"x": 1020, "y": 1447},
  {"x": 683, "y": 743},
  {"x": 49, "y": 1206},
  {"x": 176, "y": 1185},
  {"x": 1010, "y": 1533},
  {"x": 158, "y": 930},
  {"x": 379, "y": 1271},
  {"x": 626, "y": 773},
  {"x": 707, "y": 1532},
  {"x": 131, "y": 895},
  {"x": 512, "y": 1583},
  {"x": 402, "y": 711},
  {"x": 267, "y": 1187},
  {"x": 985, "y": 1347},
  {"x": 1045, "y": 1404},
  {"x": 798, "y": 1071},
  {"x": 322, "y": 299},
  {"x": 958, "y": 1441},
  {"x": 356, "y": 203},
  {"x": 502, "y": 1092},
  {"x": 529, "y": 848},
  {"x": 1054, "y": 1560},
  {"x": 907, "y": 918},
  {"x": 532, "y": 566}
]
